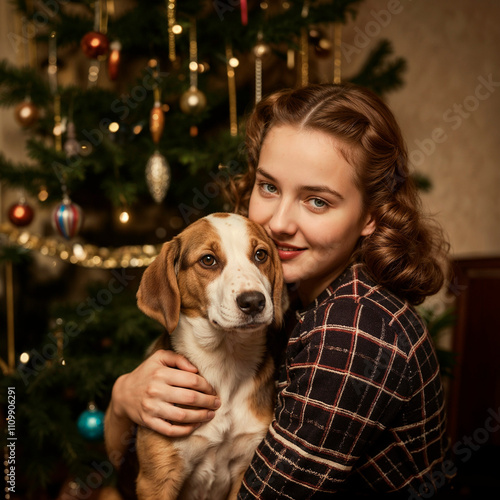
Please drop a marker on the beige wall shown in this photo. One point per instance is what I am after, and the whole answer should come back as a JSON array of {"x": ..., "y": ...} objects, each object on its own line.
[
  {"x": 449, "y": 117},
  {"x": 11, "y": 138},
  {"x": 449, "y": 107}
]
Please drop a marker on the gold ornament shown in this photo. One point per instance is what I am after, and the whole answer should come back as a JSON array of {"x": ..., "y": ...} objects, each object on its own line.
[
  {"x": 26, "y": 113},
  {"x": 158, "y": 176},
  {"x": 156, "y": 122},
  {"x": 260, "y": 50},
  {"x": 114, "y": 59},
  {"x": 193, "y": 101}
]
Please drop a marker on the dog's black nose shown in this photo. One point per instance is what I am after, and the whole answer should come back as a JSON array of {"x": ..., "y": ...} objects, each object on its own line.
[{"x": 251, "y": 302}]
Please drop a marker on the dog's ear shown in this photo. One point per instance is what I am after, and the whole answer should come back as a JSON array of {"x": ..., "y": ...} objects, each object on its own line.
[
  {"x": 158, "y": 295},
  {"x": 280, "y": 291}
]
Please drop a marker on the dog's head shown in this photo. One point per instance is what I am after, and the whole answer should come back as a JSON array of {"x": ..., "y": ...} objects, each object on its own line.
[{"x": 222, "y": 267}]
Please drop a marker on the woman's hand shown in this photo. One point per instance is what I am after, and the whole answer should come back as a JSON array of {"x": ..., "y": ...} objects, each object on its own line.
[{"x": 149, "y": 395}]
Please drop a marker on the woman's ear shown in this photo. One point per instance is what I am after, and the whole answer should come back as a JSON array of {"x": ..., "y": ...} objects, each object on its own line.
[{"x": 369, "y": 227}]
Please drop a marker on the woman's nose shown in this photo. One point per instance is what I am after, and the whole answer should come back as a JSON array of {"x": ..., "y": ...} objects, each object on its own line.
[{"x": 283, "y": 220}]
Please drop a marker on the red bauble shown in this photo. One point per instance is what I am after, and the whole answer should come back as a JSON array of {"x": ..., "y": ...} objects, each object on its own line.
[
  {"x": 20, "y": 214},
  {"x": 94, "y": 44}
]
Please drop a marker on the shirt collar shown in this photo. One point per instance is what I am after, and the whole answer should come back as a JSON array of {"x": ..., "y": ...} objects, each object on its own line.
[{"x": 344, "y": 277}]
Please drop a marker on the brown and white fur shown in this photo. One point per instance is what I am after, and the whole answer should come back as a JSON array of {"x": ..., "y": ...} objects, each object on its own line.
[{"x": 216, "y": 287}]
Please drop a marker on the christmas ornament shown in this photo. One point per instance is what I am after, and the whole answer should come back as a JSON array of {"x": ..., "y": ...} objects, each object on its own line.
[
  {"x": 26, "y": 113},
  {"x": 67, "y": 218},
  {"x": 323, "y": 48},
  {"x": 124, "y": 216},
  {"x": 157, "y": 167},
  {"x": 260, "y": 50},
  {"x": 114, "y": 59},
  {"x": 157, "y": 176},
  {"x": 193, "y": 101},
  {"x": 43, "y": 194},
  {"x": 71, "y": 145},
  {"x": 91, "y": 423},
  {"x": 156, "y": 122},
  {"x": 21, "y": 214},
  {"x": 94, "y": 44}
]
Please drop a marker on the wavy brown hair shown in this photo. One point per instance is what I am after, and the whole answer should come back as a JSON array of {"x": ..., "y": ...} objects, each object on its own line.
[{"x": 407, "y": 251}]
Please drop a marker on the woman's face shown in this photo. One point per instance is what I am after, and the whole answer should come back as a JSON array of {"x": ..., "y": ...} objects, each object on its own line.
[{"x": 305, "y": 197}]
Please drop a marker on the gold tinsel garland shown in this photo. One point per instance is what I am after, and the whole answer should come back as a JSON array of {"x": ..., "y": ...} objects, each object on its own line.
[{"x": 83, "y": 254}]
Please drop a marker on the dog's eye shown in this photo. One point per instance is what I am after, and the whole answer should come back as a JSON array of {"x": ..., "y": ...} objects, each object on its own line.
[
  {"x": 208, "y": 261},
  {"x": 260, "y": 255}
]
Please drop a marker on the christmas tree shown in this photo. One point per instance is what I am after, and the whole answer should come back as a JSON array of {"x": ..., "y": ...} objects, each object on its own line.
[{"x": 134, "y": 116}]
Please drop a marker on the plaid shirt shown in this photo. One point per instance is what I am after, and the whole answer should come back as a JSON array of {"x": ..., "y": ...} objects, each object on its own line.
[{"x": 360, "y": 405}]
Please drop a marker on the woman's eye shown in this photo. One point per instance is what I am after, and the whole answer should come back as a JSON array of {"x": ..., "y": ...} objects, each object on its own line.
[
  {"x": 208, "y": 261},
  {"x": 268, "y": 188},
  {"x": 260, "y": 256},
  {"x": 318, "y": 203}
]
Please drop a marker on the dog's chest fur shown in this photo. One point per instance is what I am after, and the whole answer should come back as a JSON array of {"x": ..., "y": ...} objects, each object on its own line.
[{"x": 215, "y": 453}]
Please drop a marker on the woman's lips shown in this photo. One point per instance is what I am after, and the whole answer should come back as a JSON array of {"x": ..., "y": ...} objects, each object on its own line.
[{"x": 287, "y": 251}]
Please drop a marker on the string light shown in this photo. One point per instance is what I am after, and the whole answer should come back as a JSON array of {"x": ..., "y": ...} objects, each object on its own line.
[
  {"x": 124, "y": 217},
  {"x": 114, "y": 127}
]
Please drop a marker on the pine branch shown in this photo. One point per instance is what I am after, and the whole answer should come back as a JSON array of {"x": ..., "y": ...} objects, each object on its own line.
[
  {"x": 379, "y": 73},
  {"x": 16, "y": 83}
]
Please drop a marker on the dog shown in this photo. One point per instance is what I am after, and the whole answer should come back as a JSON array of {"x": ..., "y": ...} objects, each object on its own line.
[{"x": 216, "y": 288}]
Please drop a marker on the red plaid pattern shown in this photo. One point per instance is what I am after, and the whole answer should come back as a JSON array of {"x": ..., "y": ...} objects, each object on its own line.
[{"x": 360, "y": 405}]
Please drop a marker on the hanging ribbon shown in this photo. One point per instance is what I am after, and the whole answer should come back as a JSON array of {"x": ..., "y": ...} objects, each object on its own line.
[
  {"x": 100, "y": 26},
  {"x": 244, "y": 12},
  {"x": 304, "y": 47},
  {"x": 231, "y": 84},
  {"x": 9, "y": 299},
  {"x": 193, "y": 54},
  {"x": 337, "y": 53},
  {"x": 52, "y": 67},
  {"x": 171, "y": 24}
]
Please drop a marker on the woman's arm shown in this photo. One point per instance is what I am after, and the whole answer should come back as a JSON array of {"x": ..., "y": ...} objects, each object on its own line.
[{"x": 150, "y": 396}]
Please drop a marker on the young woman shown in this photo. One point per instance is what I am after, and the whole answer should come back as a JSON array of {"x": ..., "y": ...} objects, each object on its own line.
[{"x": 360, "y": 405}]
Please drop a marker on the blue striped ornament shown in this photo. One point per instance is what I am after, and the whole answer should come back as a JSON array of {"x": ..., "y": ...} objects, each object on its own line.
[{"x": 67, "y": 218}]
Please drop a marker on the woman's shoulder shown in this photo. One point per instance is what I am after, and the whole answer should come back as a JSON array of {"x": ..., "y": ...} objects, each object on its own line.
[
  {"x": 356, "y": 286},
  {"x": 355, "y": 300}
]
